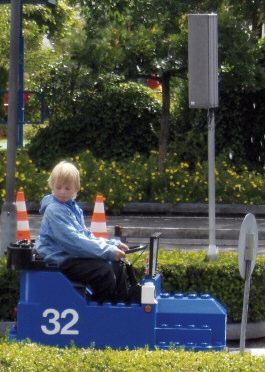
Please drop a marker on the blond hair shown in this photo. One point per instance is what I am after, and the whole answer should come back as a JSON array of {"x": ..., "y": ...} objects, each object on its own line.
[{"x": 66, "y": 173}]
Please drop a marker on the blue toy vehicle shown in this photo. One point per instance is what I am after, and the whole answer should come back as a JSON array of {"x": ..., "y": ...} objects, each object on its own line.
[{"x": 54, "y": 311}]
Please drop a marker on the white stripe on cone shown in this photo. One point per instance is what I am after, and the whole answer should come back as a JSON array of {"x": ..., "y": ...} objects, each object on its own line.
[
  {"x": 98, "y": 227},
  {"x": 21, "y": 206},
  {"x": 22, "y": 225},
  {"x": 99, "y": 208}
]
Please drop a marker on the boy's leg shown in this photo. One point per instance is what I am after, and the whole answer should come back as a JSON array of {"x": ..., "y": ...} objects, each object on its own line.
[
  {"x": 96, "y": 273},
  {"x": 122, "y": 287},
  {"x": 128, "y": 290}
]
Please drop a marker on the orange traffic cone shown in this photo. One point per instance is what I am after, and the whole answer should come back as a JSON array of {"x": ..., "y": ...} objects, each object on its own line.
[
  {"x": 98, "y": 222},
  {"x": 23, "y": 232}
]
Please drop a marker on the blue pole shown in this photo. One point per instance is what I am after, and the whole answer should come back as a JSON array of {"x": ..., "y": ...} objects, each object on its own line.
[
  {"x": 20, "y": 106},
  {"x": 8, "y": 213}
]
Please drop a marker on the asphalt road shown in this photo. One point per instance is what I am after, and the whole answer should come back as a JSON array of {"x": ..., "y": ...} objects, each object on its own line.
[{"x": 183, "y": 232}]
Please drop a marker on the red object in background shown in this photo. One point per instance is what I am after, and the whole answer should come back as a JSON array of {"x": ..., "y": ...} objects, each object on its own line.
[
  {"x": 26, "y": 97},
  {"x": 152, "y": 82}
]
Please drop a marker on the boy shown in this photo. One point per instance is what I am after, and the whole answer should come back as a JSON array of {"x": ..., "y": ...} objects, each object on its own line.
[{"x": 65, "y": 241}]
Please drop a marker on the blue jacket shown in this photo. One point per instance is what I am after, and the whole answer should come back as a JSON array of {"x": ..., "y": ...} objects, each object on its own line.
[{"x": 63, "y": 234}]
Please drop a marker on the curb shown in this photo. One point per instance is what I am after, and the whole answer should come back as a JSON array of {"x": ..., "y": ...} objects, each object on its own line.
[
  {"x": 254, "y": 330},
  {"x": 196, "y": 209},
  {"x": 185, "y": 209}
]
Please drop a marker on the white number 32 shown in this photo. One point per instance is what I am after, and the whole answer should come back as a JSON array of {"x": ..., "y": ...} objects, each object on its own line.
[{"x": 55, "y": 326}]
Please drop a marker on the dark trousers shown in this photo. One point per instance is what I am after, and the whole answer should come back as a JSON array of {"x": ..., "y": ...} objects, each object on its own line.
[{"x": 108, "y": 280}]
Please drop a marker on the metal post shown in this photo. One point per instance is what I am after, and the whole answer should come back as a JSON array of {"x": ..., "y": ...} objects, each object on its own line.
[
  {"x": 248, "y": 258},
  {"x": 8, "y": 215},
  {"x": 245, "y": 307},
  {"x": 212, "y": 250},
  {"x": 20, "y": 113}
]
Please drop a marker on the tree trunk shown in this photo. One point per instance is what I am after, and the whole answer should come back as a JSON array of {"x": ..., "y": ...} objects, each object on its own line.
[{"x": 164, "y": 128}]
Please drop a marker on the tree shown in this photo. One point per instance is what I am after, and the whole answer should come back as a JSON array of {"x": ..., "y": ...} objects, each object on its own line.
[
  {"x": 39, "y": 21},
  {"x": 240, "y": 116},
  {"x": 111, "y": 119},
  {"x": 251, "y": 12},
  {"x": 137, "y": 38}
]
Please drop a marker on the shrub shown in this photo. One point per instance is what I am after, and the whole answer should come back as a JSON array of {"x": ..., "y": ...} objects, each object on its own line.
[
  {"x": 185, "y": 272},
  {"x": 113, "y": 123},
  {"x": 27, "y": 176},
  {"x": 138, "y": 180},
  {"x": 32, "y": 357},
  {"x": 190, "y": 272},
  {"x": 30, "y": 130},
  {"x": 9, "y": 291}
]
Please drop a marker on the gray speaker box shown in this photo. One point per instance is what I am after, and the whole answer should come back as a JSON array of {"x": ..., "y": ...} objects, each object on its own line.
[{"x": 203, "y": 60}]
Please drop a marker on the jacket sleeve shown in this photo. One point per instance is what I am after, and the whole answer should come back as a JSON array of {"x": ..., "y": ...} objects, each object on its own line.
[{"x": 76, "y": 242}]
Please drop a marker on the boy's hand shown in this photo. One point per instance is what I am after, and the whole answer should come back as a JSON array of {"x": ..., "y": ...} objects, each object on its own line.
[
  {"x": 123, "y": 247},
  {"x": 119, "y": 255}
]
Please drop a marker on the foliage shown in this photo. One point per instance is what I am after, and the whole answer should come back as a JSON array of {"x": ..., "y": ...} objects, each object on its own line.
[
  {"x": 30, "y": 130},
  {"x": 28, "y": 356},
  {"x": 55, "y": 29},
  {"x": 190, "y": 272},
  {"x": 39, "y": 21},
  {"x": 182, "y": 272},
  {"x": 137, "y": 180},
  {"x": 135, "y": 38},
  {"x": 113, "y": 122},
  {"x": 240, "y": 116},
  {"x": 253, "y": 13},
  {"x": 9, "y": 291},
  {"x": 27, "y": 176},
  {"x": 140, "y": 37}
]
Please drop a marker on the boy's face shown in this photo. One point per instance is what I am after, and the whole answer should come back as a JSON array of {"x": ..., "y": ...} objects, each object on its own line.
[{"x": 64, "y": 192}]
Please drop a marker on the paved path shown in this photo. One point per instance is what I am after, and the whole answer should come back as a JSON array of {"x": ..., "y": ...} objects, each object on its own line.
[{"x": 177, "y": 231}]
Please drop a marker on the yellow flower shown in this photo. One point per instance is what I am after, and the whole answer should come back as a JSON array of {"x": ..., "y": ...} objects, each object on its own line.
[{"x": 184, "y": 165}]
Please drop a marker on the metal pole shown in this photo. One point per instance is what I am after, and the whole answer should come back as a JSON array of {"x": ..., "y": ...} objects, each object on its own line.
[
  {"x": 21, "y": 83},
  {"x": 245, "y": 307},
  {"x": 248, "y": 258},
  {"x": 8, "y": 215},
  {"x": 212, "y": 250}
]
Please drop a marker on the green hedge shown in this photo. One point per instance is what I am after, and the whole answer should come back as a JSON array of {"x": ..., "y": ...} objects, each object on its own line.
[
  {"x": 191, "y": 272},
  {"x": 138, "y": 180},
  {"x": 32, "y": 357},
  {"x": 9, "y": 291},
  {"x": 185, "y": 272},
  {"x": 113, "y": 123}
]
